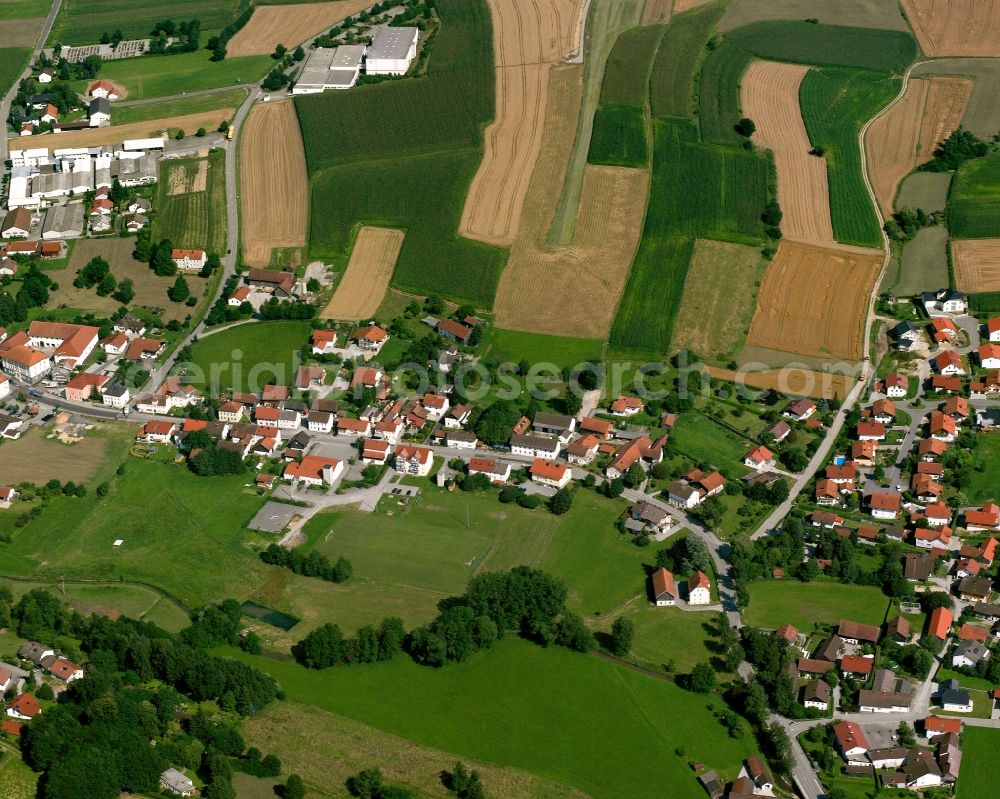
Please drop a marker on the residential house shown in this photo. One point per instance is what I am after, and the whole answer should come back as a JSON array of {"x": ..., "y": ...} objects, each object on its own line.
[
  {"x": 453, "y": 330},
  {"x": 827, "y": 492},
  {"x": 884, "y": 411},
  {"x": 555, "y": 424},
  {"x": 852, "y": 632},
  {"x": 947, "y": 301},
  {"x": 949, "y": 363},
  {"x": 548, "y": 473},
  {"x": 144, "y": 349},
  {"x": 24, "y": 707},
  {"x": 816, "y": 695},
  {"x": 953, "y": 698},
  {"x": 647, "y": 517},
  {"x": 583, "y": 450},
  {"x": 103, "y": 88},
  {"x": 231, "y": 412},
  {"x": 314, "y": 470},
  {"x": 904, "y": 336},
  {"x": 895, "y": 385},
  {"x": 626, "y": 406},
  {"x": 981, "y": 519},
  {"x": 320, "y": 421},
  {"x": 411, "y": 459},
  {"x": 7, "y": 496},
  {"x": 800, "y": 410},
  {"x": 856, "y": 667},
  {"x": 65, "y": 670},
  {"x": 460, "y": 439},
  {"x": 884, "y": 504},
  {"x": 534, "y": 446},
  {"x": 942, "y": 427},
  {"x": 493, "y": 468},
  {"x": 639, "y": 450},
  {"x": 779, "y": 431},
  {"x": 993, "y": 329},
  {"x": 375, "y": 450},
  {"x": 458, "y": 416},
  {"x": 760, "y": 457},
  {"x": 174, "y": 781},
  {"x": 80, "y": 387},
  {"x": 870, "y": 431},
  {"x": 157, "y": 431},
  {"x": 863, "y": 452},
  {"x": 353, "y": 427},
  {"x": 898, "y": 630},
  {"x": 829, "y": 650},
  {"x": 943, "y": 329},
  {"x": 370, "y": 338},
  {"x": 699, "y": 589},
  {"x": 99, "y": 112},
  {"x": 975, "y": 589},
  {"x": 323, "y": 342},
  {"x": 600, "y": 428},
  {"x": 918, "y": 568},
  {"x": 989, "y": 356},
  {"x": 16, "y": 224},
  {"x": 308, "y": 376},
  {"x": 824, "y": 519},
  {"x": 930, "y": 449},
  {"x": 957, "y": 408},
  {"x": 935, "y": 725},
  {"x": 851, "y": 741},
  {"x": 115, "y": 395},
  {"x": 969, "y": 654},
  {"x": 945, "y": 384},
  {"x": 940, "y": 623}
]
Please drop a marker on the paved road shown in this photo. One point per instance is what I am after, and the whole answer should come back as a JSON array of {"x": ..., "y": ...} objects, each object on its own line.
[{"x": 9, "y": 98}]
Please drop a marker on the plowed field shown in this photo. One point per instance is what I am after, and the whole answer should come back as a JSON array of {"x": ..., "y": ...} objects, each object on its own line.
[
  {"x": 814, "y": 300},
  {"x": 906, "y": 135},
  {"x": 529, "y": 36},
  {"x": 289, "y": 25},
  {"x": 956, "y": 27},
  {"x": 770, "y": 97},
  {"x": 274, "y": 198},
  {"x": 571, "y": 290},
  {"x": 977, "y": 264},
  {"x": 792, "y": 380},
  {"x": 369, "y": 270}
]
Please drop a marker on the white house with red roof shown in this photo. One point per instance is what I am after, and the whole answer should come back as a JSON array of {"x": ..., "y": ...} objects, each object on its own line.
[
  {"x": 699, "y": 589},
  {"x": 895, "y": 385},
  {"x": 760, "y": 457},
  {"x": 66, "y": 670},
  {"x": 7, "y": 496},
  {"x": 949, "y": 363},
  {"x": 497, "y": 471},
  {"x": 4, "y": 386},
  {"x": 370, "y": 338},
  {"x": 157, "y": 431},
  {"x": 664, "y": 588},
  {"x": 993, "y": 329},
  {"x": 989, "y": 356},
  {"x": 189, "y": 260},
  {"x": 323, "y": 342},
  {"x": 851, "y": 741},
  {"x": 411, "y": 459},
  {"x": 626, "y": 406},
  {"x": 24, "y": 707},
  {"x": 24, "y": 363},
  {"x": 981, "y": 519},
  {"x": 375, "y": 450},
  {"x": 549, "y": 473},
  {"x": 240, "y": 296},
  {"x": 314, "y": 470}
]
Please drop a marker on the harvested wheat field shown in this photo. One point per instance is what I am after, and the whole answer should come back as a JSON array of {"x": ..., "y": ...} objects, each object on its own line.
[
  {"x": 118, "y": 133},
  {"x": 529, "y": 37},
  {"x": 20, "y": 32},
  {"x": 977, "y": 264},
  {"x": 814, "y": 300},
  {"x": 791, "y": 380},
  {"x": 274, "y": 187},
  {"x": 185, "y": 178},
  {"x": 956, "y": 27},
  {"x": 369, "y": 270},
  {"x": 657, "y": 12},
  {"x": 289, "y": 25},
  {"x": 770, "y": 97},
  {"x": 907, "y": 134}
]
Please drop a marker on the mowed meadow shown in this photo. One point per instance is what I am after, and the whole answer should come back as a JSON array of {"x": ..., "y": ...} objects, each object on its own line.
[{"x": 405, "y": 156}]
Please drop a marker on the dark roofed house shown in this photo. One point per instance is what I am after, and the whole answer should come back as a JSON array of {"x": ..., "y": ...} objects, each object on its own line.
[
  {"x": 856, "y": 633},
  {"x": 829, "y": 650},
  {"x": 712, "y": 784},
  {"x": 918, "y": 567},
  {"x": 816, "y": 694},
  {"x": 898, "y": 630}
]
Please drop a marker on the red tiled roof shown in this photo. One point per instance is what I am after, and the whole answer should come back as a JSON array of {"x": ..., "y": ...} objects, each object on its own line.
[
  {"x": 940, "y": 623},
  {"x": 663, "y": 583},
  {"x": 550, "y": 470}
]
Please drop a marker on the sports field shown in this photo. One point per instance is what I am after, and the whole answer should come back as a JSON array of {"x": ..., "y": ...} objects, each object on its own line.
[
  {"x": 977, "y": 264},
  {"x": 770, "y": 95},
  {"x": 777, "y": 602},
  {"x": 84, "y": 22},
  {"x": 274, "y": 187},
  {"x": 150, "y": 289},
  {"x": 289, "y": 25},
  {"x": 529, "y": 37},
  {"x": 619, "y": 743},
  {"x": 369, "y": 270},
  {"x": 720, "y": 295},
  {"x": 814, "y": 300},
  {"x": 194, "y": 218},
  {"x": 956, "y": 27},
  {"x": 247, "y": 357},
  {"x": 907, "y": 135}
]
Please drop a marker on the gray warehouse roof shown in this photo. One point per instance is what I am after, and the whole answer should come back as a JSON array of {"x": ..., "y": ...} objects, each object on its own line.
[{"x": 392, "y": 43}]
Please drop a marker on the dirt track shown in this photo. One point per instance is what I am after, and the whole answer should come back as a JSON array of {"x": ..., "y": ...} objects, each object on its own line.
[
  {"x": 274, "y": 187},
  {"x": 529, "y": 37},
  {"x": 770, "y": 97},
  {"x": 906, "y": 135},
  {"x": 571, "y": 290},
  {"x": 977, "y": 264},
  {"x": 369, "y": 270},
  {"x": 114, "y": 134},
  {"x": 956, "y": 27},
  {"x": 289, "y": 25},
  {"x": 814, "y": 300}
]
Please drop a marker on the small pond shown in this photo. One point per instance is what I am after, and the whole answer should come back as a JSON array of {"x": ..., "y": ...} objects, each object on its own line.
[{"x": 269, "y": 615}]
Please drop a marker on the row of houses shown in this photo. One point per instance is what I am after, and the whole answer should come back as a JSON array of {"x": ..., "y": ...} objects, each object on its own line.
[{"x": 906, "y": 767}]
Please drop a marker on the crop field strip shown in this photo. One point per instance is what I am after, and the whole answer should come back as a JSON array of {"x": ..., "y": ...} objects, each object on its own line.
[
  {"x": 671, "y": 85},
  {"x": 977, "y": 264},
  {"x": 415, "y": 178},
  {"x": 814, "y": 300},
  {"x": 974, "y": 200},
  {"x": 770, "y": 96},
  {"x": 274, "y": 186},
  {"x": 657, "y": 12},
  {"x": 289, "y": 25},
  {"x": 906, "y": 136},
  {"x": 923, "y": 263},
  {"x": 982, "y": 113},
  {"x": 529, "y": 37},
  {"x": 194, "y": 219},
  {"x": 369, "y": 270},
  {"x": 956, "y": 27},
  {"x": 798, "y": 381},
  {"x": 861, "y": 13},
  {"x": 83, "y": 21}
]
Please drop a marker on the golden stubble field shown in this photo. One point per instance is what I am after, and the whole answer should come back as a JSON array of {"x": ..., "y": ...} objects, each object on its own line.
[
  {"x": 274, "y": 186},
  {"x": 977, "y": 264},
  {"x": 906, "y": 135},
  {"x": 814, "y": 300},
  {"x": 115, "y": 134},
  {"x": 956, "y": 27},
  {"x": 372, "y": 262},
  {"x": 289, "y": 25},
  {"x": 571, "y": 290},
  {"x": 770, "y": 97},
  {"x": 529, "y": 38}
]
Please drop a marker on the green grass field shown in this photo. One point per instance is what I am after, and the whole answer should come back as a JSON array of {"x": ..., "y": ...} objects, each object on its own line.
[
  {"x": 193, "y": 219},
  {"x": 671, "y": 92},
  {"x": 927, "y": 190},
  {"x": 619, "y": 136},
  {"x": 836, "y": 103},
  {"x": 166, "y": 75},
  {"x": 719, "y": 92},
  {"x": 777, "y": 602},
  {"x": 513, "y": 345},
  {"x": 248, "y": 356},
  {"x": 181, "y": 533},
  {"x": 135, "y": 601},
  {"x": 974, "y": 202},
  {"x": 626, "y": 74},
  {"x": 725, "y": 193},
  {"x": 19, "y": 781},
  {"x": 982, "y": 483},
  {"x": 800, "y": 42},
  {"x": 667, "y": 637},
  {"x": 924, "y": 265},
  {"x": 82, "y": 22},
  {"x": 232, "y": 98},
  {"x": 12, "y": 62},
  {"x": 980, "y": 765},
  {"x": 24, "y": 9},
  {"x": 618, "y": 743},
  {"x": 706, "y": 442},
  {"x": 414, "y": 177}
]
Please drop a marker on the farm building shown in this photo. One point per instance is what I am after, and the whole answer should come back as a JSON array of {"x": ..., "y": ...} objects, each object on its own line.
[
  {"x": 99, "y": 112},
  {"x": 330, "y": 68},
  {"x": 392, "y": 51}
]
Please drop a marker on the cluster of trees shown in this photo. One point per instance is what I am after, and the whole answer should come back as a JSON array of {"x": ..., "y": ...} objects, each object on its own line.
[
  {"x": 771, "y": 217},
  {"x": 326, "y": 646},
  {"x": 34, "y": 293},
  {"x": 217, "y": 44},
  {"x": 276, "y": 79},
  {"x": 523, "y": 600},
  {"x": 315, "y": 564},
  {"x": 211, "y": 460},
  {"x": 159, "y": 255},
  {"x": 685, "y": 556},
  {"x": 185, "y": 34},
  {"x": 111, "y": 715},
  {"x": 958, "y": 148},
  {"x": 370, "y": 784},
  {"x": 286, "y": 309},
  {"x": 906, "y": 223},
  {"x": 180, "y": 290},
  {"x": 221, "y": 311},
  {"x": 96, "y": 272}
]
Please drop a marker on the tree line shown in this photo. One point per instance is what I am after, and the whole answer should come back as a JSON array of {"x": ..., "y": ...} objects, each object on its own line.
[{"x": 314, "y": 564}]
